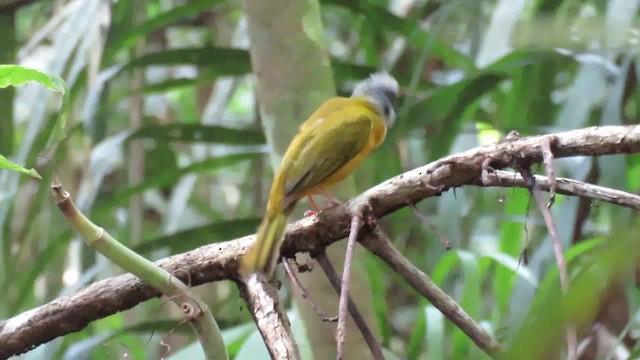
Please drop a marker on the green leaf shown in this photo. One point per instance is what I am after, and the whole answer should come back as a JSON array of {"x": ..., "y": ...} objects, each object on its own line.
[
  {"x": 416, "y": 342},
  {"x": 410, "y": 28},
  {"x": 344, "y": 71},
  {"x": 25, "y": 283},
  {"x": 199, "y": 236},
  {"x": 435, "y": 334},
  {"x": 447, "y": 108},
  {"x": 83, "y": 349},
  {"x": 444, "y": 109},
  {"x": 170, "y": 17},
  {"x": 233, "y": 338},
  {"x": 525, "y": 57},
  {"x": 514, "y": 267},
  {"x": 200, "y": 133},
  {"x": 172, "y": 175},
  {"x": 16, "y": 75},
  {"x": 220, "y": 61},
  {"x": 174, "y": 84},
  {"x": 533, "y": 79},
  {"x": 6, "y": 164},
  {"x": 511, "y": 231},
  {"x": 541, "y": 334},
  {"x": 377, "y": 279},
  {"x": 472, "y": 300},
  {"x": 548, "y": 6},
  {"x": 585, "y": 249}
]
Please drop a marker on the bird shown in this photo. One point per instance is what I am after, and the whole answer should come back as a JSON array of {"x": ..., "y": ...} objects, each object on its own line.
[{"x": 328, "y": 147}]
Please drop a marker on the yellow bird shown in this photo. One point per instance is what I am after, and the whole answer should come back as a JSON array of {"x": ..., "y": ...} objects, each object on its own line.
[{"x": 329, "y": 146}]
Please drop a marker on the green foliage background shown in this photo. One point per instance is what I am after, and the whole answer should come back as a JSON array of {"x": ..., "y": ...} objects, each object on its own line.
[{"x": 471, "y": 71}]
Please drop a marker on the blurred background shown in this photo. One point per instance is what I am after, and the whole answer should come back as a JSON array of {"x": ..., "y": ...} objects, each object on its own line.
[{"x": 166, "y": 150}]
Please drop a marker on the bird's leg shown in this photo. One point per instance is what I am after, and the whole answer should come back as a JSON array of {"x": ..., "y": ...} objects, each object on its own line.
[
  {"x": 316, "y": 208},
  {"x": 332, "y": 199},
  {"x": 313, "y": 204},
  {"x": 304, "y": 293}
]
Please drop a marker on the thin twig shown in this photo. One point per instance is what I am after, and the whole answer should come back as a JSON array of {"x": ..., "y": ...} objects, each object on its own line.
[
  {"x": 485, "y": 170},
  {"x": 572, "y": 337},
  {"x": 563, "y": 186},
  {"x": 304, "y": 293},
  {"x": 547, "y": 158},
  {"x": 586, "y": 204},
  {"x": 356, "y": 315},
  {"x": 356, "y": 223},
  {"x": 425, "y": 219}
]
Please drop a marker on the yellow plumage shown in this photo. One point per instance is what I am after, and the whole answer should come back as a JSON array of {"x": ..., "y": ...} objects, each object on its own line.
[{"x": 329, "y": 146}]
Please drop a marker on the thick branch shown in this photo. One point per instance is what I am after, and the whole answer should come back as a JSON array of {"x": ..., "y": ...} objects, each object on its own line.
[{"x": 219, "y": 261}]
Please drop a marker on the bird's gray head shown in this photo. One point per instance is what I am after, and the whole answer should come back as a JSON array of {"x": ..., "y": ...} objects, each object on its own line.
[{"x": 380, "y": 89}]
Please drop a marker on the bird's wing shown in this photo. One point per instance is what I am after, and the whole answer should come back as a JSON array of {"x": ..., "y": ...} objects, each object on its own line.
[{"x": 324, "y": 147}]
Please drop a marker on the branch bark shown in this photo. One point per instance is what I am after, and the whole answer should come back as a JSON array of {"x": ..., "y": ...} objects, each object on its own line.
[
  {"x": 266, "y": 309},
  {"x": 218, "y": 261},
  {"x": 564, "y": 186}
]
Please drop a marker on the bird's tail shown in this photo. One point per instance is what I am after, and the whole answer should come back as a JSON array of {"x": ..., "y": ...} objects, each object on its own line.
[{"x": 263, "y": 253}]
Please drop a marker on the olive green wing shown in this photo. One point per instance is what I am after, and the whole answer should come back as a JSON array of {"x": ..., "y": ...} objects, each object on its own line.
[{"x": 326, "y": 147}]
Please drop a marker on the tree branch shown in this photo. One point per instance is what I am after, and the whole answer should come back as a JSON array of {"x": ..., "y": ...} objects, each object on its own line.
[
  {"x": 356, "y": 315},
  {"x": 380, "y": 245},
  {"x": 572, "y": 338},
  {"x": 563, "y": 186},
  {"x": 219, "y": 261},
  {"x": 272, "y": 320}
]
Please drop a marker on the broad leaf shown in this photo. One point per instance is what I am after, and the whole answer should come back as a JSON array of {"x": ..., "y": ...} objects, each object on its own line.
[
  {"x": 172, "y": 175},
  {"x": 16, "y": 75},
  {"x": 200, "y": 133},
  {"x": 218, "y": 60},
  {"x": 203, "y": 235},
  {"x": 6, "y": 164},
  {"x": 170, "y": 17}
]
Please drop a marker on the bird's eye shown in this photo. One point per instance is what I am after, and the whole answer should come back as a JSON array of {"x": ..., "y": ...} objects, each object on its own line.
[{"x": 386, "y": 109}]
